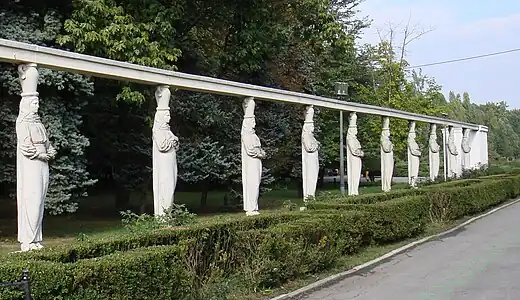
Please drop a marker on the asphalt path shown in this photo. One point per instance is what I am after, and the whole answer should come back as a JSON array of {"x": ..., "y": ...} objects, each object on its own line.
[{"x": 481, "y": 261}]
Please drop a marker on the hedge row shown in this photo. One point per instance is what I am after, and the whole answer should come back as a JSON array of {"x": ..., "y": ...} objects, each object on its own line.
[
  {"x": 335, "y": 197},
  {"x": 261, "y": 258},
  {"x": 446, "y": 201},
  {"x": 205, "y": 261},
  {"x": 125, "y": 241}
]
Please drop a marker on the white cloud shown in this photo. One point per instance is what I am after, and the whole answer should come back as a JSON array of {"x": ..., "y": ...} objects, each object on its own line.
[{"x": 499, "y": 26}]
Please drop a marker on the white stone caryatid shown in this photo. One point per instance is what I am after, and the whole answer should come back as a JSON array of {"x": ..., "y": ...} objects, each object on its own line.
[
  {"x": 32, "y": 156},
  {"x": 414, "y": 155},
  {"x": 387, "y": 156},
  {"x": 310, "y": 159},
  {"x": 434, "y": 151},
  {"x": 164, "y": 158},
  {"x": 453, "y": 152},
  {"x": 354, "y": 156},
  {"x": 252, "y": 155},
  {"x": 466, "y": 149}
]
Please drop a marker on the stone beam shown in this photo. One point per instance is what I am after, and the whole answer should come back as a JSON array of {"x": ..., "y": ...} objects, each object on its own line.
[{"x": 19, "y": 53}]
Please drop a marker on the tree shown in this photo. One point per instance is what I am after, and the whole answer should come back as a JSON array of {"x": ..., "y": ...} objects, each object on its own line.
[{"x": 63, "y": 97}]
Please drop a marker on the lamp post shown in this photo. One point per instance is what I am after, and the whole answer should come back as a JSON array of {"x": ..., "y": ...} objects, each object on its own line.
[
  {"x": 444, "y": 154},
  {"x": 341, "y": 90}
]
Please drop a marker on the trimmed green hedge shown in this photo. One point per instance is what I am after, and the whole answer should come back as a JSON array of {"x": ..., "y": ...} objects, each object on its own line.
[
  {"x": 133, "y": 240},
  {"x": 206, "y": 260}
]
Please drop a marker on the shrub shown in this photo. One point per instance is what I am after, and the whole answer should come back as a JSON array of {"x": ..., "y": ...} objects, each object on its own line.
[
  {"x": 176, "y": 215},
  {"x": 124, "y": 241},
  {"x": 204, "y": 259}
]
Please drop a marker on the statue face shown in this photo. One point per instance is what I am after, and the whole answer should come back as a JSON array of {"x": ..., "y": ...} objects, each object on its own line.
[
  {"x": 34, "y": 105},
  {"x": 167, "y": 117},
  {"x": 249, "y": 124}
]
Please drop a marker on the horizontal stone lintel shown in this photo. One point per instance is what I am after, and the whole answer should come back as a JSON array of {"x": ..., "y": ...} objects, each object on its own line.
[{"x": 17, "y": 53}]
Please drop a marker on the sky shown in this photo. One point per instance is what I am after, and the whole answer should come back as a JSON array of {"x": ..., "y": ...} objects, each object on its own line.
[{"x": 461, "y": 28}]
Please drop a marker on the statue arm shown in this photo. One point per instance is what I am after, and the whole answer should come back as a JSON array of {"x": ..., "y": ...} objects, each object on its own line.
[
  {"x": 452, "y": 149},
  {"x": 466, "y": 148},
  {"x": 387, "y": 146},
  {"x": 163, "y": 143},
  {"x": 25, "y": 144},
  {"x": 355, "y": 148},
  {"x": 51, "y": 150},
  {"x": 252, "y": 149},
  {"x": 310, "y": 144},
  {"x": 414, "y": 149},
  {"x": 434, "y": 147}
]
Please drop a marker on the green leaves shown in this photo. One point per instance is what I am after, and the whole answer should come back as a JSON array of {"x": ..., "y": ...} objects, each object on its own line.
[
  {"x": 102, "y": 28},
  {"x": 63, "y": 97}
]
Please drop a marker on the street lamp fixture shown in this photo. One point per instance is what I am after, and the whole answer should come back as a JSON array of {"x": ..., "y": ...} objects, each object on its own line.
[
  {"x": 341, "y": 90},
  {"x": 444, "y": 154}
]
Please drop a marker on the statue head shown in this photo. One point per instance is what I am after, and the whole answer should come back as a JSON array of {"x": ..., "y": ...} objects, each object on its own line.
[
  {"x": 248, "y": 125},
  {"x": 161, "y": 120},
  {"x": 29, "y": 106}
]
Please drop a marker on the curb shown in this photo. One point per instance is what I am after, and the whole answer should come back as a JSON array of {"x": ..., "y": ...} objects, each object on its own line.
[{"x": 340, "y": 276}]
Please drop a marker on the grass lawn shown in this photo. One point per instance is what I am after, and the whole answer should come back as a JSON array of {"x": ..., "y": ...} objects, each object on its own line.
[{"x": 65, "y": 229}]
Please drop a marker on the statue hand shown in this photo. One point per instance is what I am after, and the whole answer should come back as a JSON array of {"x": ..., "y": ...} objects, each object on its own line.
[
  {"x": 44, "y": 156},
  {"x": 261, "y": 153},
  {"x": 52, "y": 152}
]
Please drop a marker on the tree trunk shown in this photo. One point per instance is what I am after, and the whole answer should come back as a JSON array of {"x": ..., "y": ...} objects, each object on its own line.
[
  {"x": 122, "y": 197},
  {"x": 321, "y": 178},
  {"x": 300, "y": 187},
  {"x": 204, "y": 196}
]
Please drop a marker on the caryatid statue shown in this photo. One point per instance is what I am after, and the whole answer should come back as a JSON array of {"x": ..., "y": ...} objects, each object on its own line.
[
  {"x": 466, "y": 149},
  {"x": 354, "y": 156},
  {"x": 452, "y": 154},
  {"x": 164, "y": 157},
  {"x": 414, "y": 154},
  {"x": 32, "y": 156},
  {"x": 252, "y": 155},
  {"x": 310, "y": 159},
  {"x": 434, "y": 151},
  {"x": 387, "y": 156}
]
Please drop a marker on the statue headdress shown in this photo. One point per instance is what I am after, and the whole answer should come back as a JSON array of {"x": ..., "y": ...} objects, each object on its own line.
[
  {"x": 249, "y": 107},
  {"x": 411, "y": 127},
  {"x": 353, "y": 120},
  {"x": 28, "y": 75},
  {"x": 162, "y": 96},
  {"x": 309, "y": 114},
  {"x": 386, "y": 123}
]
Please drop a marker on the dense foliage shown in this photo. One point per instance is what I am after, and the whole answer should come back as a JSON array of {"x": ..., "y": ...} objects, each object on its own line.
[{"x": 299, "y": 45}]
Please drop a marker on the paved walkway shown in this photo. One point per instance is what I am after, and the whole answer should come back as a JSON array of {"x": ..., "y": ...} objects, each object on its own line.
[{"x": 481, "y": 261}]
